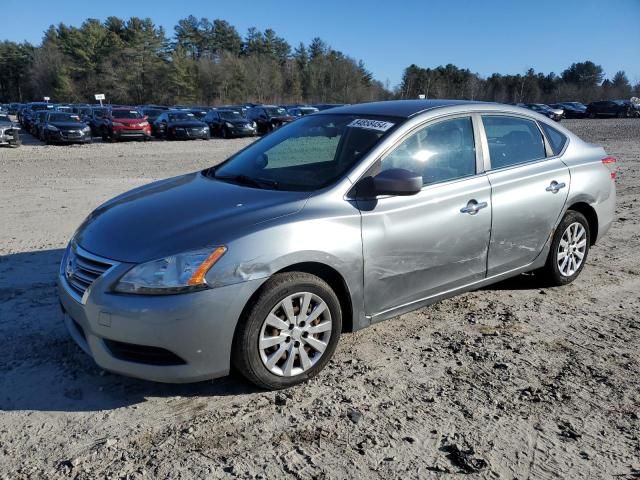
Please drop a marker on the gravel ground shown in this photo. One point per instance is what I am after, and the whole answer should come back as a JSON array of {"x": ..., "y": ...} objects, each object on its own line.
[{"x": 512, "y": 381}]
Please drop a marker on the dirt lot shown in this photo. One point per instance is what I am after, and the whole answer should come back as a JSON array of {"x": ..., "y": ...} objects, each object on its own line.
[{"x": 512, "y": 381}]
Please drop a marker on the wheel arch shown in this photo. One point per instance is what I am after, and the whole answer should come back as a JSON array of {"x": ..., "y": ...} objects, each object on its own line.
[
  {"x": 590, "y": 214},
  {"x": 335, "y": 280}
]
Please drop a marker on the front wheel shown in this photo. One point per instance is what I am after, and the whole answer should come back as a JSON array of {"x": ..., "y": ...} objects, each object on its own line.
[
  {"x": 569, "y": 250},
  {"x": 289, "y": 333}
]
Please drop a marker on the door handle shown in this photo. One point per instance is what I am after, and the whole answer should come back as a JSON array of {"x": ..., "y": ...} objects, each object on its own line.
[
  {"x": 555, "y": 187},
  {"x": 473, "y": 207}
]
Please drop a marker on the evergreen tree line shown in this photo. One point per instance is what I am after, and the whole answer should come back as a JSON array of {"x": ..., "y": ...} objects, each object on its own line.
[{"x": 208, "y": 62}]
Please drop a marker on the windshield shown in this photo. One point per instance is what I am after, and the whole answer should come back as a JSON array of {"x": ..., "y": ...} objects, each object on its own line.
[
  {"x": 308, "y": 154},
  {"x": 229, "y": 115},
  {"x": 152, "y": 112},
  {"x": 275, "y": 111},
  {"x": 133, "y": 114},
  {"x": 308, "y": 111},
  {"x": 63, "y": 117},
  {"x": 181, "y": 117},
  {"x": 99, "y": 112}
]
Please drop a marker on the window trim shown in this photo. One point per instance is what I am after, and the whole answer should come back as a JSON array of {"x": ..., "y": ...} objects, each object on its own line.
[
  {"x": 564, "y": 147},
  {"x": 548, "y": 151}
]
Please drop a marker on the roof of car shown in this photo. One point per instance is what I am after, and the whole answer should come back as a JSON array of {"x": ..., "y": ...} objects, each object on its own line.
[{"x": 398, "y": 108}]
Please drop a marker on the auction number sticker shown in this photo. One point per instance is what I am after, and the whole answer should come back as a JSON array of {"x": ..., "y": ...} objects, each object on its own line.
[{"x": 371, "y": 124}]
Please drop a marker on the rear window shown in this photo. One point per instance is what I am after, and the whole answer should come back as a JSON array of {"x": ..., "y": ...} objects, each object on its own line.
[{"x": 557, "y": 139}]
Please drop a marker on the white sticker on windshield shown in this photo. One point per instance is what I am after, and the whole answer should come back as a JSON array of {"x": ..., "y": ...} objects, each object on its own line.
[{"x": 371, "y": 124}]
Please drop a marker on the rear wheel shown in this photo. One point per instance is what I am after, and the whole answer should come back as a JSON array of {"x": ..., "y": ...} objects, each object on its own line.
[
  {"x": 289, "y": 333},
  {"x": 569, "y": 250}
]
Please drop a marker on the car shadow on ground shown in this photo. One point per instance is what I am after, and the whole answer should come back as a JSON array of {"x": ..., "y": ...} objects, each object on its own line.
[{"x": 42, "y": 369}]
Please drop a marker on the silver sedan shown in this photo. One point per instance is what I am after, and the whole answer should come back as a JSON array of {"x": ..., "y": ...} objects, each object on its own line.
[{"x": 337, "y": 221}]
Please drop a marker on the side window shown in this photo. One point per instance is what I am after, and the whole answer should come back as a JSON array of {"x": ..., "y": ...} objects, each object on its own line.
[
  {"x": 557, "y": 140},
  {"x": 512, "y": 140},
  {"x": 439, "y": 152}
]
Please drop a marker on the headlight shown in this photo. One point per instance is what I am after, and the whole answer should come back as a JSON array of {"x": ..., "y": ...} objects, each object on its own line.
[
  {"x": 175, "y": 274},
  {"x": 117, "y": 124},
  {"x": 254, "y": 125},
  {"x": 86, "y": 129},
  {"x": 229, "y": 124},
  {"x": 53, "y": 128}
]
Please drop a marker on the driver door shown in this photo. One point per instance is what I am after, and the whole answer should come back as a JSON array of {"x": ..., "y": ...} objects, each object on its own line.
[{"x": 418, "y": 246}]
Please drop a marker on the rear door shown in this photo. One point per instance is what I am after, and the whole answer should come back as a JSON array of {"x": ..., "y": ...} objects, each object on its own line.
[{"x": 528, "y": 191}]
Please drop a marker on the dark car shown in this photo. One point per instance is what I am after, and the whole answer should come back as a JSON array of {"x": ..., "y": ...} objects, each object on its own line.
[
  {"x": 180, "y": 125},
  {"x": 301, "y": 111},
  {"x": 36, "y": 121},
  {"x": 543, "y": 109},
  {"x": 27, "y": 115},
  {"x": 151, "y": 112},
  {"x": 611, "y": 108},
  {"x": 63, "y": 127},
  {"x": 269, "y": 117},
  {"x": 571, "y": 109},
  {"x": 227, "y": 123},
  {"x": 327, "y": 106},
  {"x": 199, "y": 112},
  {"x": 125, "y": 123},
  {"x": 95, "y": 119}
]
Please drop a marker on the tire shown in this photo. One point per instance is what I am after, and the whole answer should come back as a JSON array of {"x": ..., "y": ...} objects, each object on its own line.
[
  {"x": 251, "y": 361},
  {"x": 621, "y": 114},
  {"x": 224, "y": 133},
  {"x": 558, "y": 272},
  {"x": 591, "y": 115}
]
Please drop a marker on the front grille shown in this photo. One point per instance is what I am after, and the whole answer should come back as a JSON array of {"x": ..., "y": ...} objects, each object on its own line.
[
  {"x": 130, "y": 352},
  {"x": 83, "y": 268}
]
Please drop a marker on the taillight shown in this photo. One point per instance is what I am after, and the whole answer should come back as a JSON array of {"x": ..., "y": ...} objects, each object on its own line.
[{"x": 610, "y": 163}]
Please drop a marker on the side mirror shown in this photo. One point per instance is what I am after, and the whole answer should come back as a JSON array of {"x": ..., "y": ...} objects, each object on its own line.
[{"x": 397, "y": 181}]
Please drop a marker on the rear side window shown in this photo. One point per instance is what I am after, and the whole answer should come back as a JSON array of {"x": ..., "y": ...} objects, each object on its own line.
[
  {"x": 512, "y": 140},
  {"x": 557, "y": 140}
]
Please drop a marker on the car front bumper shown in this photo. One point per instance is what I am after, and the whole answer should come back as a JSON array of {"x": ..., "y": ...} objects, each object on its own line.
[
  {"x": 75, "y": 136},
  {"x": 131, "y": 133},
  {"x": 196, "y": 328}
]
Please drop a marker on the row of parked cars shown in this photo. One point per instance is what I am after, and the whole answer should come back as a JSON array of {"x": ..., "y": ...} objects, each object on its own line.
[
  {"x": 80, "y": 123},
  {"x": 601, "y": 109}
]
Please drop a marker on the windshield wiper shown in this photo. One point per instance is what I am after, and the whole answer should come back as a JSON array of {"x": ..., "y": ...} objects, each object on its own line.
[{"x": 246, "y": 180}]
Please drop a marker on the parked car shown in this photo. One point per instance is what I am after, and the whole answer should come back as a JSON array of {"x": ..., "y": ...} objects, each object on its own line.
[
  {"x": 61, "y": 127},
  {"x": 151, "y": 113},
  {"x": 27, "y": 115},
  {"x": 95, "y": 120},
  {"x": 545, "y": 110},
  {"x": 302, "y": 111},
  {"x": 229, "y": 123},
  {"x": 571, "y": 109},
  {"x": 268, "y": 117},
  {"x": 611, "y": 108},
  {"x": 262, "y": 261},
  {"x": 125, "y": 124},
  {"x": 180, "y": 125},
  {"x": 9, "y": 132},
  {"x": 327, "y": 106},
  {"x": 36, "y": 120}
]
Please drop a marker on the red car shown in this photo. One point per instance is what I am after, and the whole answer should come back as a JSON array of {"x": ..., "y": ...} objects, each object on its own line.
[{"x": 125, "y": 123}]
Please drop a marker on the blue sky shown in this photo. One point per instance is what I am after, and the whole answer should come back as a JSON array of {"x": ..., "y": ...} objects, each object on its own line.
[{"x": 486, "y": 36}]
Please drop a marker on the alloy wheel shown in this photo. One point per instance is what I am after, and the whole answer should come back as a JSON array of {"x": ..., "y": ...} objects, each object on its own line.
[
  {"x": 295, "y": 334},
  {"x": 572, "y": 249}
]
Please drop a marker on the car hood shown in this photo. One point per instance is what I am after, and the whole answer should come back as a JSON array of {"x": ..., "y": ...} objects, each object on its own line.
[
  {"x": 238, "y": 123},
  {"x": 129, "y": 121},
  {"x": 188, "y": 124},
  {"x": 68, "y": 125},
  {"x": 284, "y": 118},
  {"x": 179, "y": 214}
]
